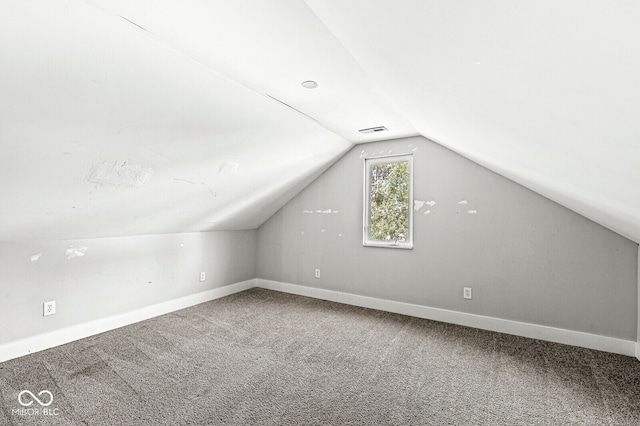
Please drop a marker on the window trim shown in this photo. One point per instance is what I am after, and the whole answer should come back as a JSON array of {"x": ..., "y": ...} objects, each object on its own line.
[{"x": 366, "y": 240}]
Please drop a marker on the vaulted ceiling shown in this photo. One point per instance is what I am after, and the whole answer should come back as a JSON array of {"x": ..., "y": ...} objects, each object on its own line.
[{"x": 144, "y": 117}]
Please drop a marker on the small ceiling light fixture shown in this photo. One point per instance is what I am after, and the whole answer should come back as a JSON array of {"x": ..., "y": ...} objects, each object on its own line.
[{"x": 309, "y": 84}]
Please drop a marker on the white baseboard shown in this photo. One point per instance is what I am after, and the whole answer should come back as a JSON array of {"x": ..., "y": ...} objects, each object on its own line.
[
  {"x": 59, "y": 337},
  {"x": 575, "y": 338},
  {"x": 541, "y": 332}
]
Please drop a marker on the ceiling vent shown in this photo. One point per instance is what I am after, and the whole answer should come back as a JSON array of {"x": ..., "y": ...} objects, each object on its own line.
[{"x": 373, "y": 130}]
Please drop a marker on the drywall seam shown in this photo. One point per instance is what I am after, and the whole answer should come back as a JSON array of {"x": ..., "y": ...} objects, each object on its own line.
[
  {"x": 59, "y": 337},
  {"x": 211, "y": 70},
  {"x": 534, "y": 331}
]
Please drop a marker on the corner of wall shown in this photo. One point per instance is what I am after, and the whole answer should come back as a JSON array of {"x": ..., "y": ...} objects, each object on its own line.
[
  {"x": 75, "y": 332},
  {"x": 539, "y": 246},
  {"x": 532, "y": 331},
  {"x": 638, "y": 318},
  {"x": 148, "y": 274}
]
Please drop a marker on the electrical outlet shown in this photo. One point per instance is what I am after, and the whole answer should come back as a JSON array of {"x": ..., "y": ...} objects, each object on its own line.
[
  {"x": 466, "y": 293},
  {"x": 203, "y": 276},
  {"x": 49, "y": 308},
  {"x": 317, "y": 273}
]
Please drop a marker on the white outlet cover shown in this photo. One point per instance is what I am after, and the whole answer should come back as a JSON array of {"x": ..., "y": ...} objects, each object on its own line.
[
  {"x": 49, "y": 308},
  {"x": 317, "y": 275},
  {"x": 466, "y": 292},
  {"x": 203, "y": 276}
]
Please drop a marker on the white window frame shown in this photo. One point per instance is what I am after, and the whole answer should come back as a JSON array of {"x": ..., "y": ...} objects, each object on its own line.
[{"x": 366, "y": 240}]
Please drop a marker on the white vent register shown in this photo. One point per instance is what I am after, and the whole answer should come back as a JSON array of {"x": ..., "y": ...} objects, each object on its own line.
[{"x": 373, "y": 130}]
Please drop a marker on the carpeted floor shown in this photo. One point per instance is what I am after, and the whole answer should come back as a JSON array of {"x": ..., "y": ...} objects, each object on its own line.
[{"x": 263, "y": 357}]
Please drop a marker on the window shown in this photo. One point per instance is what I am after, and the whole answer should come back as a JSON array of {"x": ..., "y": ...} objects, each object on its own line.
[{"x": 388, "y": 196}]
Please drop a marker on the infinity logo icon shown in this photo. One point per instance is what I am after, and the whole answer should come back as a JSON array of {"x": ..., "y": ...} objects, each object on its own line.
[{"x": 35, "y": 398}]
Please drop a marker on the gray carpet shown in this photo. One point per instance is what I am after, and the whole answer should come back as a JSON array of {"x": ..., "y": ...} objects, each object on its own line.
[{"x": 263, "y": 357}]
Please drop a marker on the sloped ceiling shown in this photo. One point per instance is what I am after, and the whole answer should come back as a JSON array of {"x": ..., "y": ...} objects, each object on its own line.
[
  {"x": 144, "y": 117},
  {"x": 546, "y": 93},
  {"x": 127, "y": 118}
]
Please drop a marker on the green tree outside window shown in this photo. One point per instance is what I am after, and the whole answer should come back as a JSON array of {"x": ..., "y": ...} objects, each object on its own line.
[{"x": 389, "y": 201}]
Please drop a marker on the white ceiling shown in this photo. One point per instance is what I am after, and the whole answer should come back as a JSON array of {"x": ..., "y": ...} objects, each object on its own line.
[
  {"x": 546, "y": 93},
  {"x": 141, "y": 117}
]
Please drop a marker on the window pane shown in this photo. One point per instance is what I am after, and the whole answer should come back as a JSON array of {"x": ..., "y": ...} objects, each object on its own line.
[{"x": 389, "y": 201}]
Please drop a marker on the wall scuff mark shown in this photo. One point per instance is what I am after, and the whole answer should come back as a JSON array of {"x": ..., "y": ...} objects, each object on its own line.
[
  {"x": 36, "y": 257},
  {"x": 418, "y": 204},
  {"x": 462, "y": 202},
  {"x": 228, "y": 167},
  {"x": 184, "y": 180},
  {"x": 76, "y": 251},
  {"x": 327, "y": 211},
  {"x": 214, "y": 193},
  {"x": 427, "y": 211},
  {"x": 122, "y": 174},
  {"x": 472, "y": 211}
]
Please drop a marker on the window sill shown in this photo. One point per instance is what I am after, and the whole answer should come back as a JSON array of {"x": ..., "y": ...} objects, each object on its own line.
[{"x": 382, "y": 244}]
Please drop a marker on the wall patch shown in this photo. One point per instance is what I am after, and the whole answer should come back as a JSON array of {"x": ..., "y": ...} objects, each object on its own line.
[
  {"x": 121, "y": 174},
  {"x": 228, "y": 167},
  {"x": 76, "y": 251}
]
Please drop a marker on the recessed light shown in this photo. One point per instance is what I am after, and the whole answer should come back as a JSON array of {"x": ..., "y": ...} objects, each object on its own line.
[{"x": 309, "y": 84}]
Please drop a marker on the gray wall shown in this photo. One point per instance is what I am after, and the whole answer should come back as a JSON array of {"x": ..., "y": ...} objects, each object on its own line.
[
  {"x": 527, "y": 258},
  {"x": 114, "y": 276}
]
